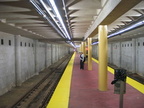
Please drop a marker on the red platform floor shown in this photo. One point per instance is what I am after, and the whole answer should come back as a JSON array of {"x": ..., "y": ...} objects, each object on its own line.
[{"x": 85, "y": 94}]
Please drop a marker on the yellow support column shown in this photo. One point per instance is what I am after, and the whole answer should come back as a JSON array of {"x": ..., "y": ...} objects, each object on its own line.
[
  {"x": 86, "y": 48},
  {"x": 89, "y": 54},
  {"x": 102, "y": 82},
  {"x": 83, "y": 45},
  {"x": 80, "y": 48}
]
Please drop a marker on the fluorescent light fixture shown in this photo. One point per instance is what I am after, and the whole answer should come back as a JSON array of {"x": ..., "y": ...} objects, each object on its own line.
[
  {"x": 127, "y": 29},
  {"x": 63, "y": 1},
  {"x": 58, "y": 25},
  {"x": 95, "y": 43},
  {"x": 72, "y": 45},
  {"x": 37, "y": 7},
  {"x": 138, "y": 24},
  {"x": 45, "y": 16},
  {"x": 60, "y": 18},
  {"x": 46, "y": 8},
  {"x": 77, "y": 46}
]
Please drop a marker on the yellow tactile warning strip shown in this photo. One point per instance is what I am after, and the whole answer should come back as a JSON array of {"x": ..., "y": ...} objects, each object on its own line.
[
  {"x": 60, "y": 98},
  {"x": 133, "y": 83}
]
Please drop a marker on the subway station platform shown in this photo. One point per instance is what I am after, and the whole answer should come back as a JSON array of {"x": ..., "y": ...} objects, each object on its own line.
[{"x": 79, "y": 89}]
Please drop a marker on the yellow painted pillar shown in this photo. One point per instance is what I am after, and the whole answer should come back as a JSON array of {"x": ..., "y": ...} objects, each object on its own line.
[
  {"x": 83, "y": 47},
  {"x": 89, "y": 53},
  {"x": 80, "y": 47},
  {"x": 102, "y": 81}
]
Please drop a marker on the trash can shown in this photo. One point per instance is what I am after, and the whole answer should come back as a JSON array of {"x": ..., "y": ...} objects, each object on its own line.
[{"x": 119, "y": 81}]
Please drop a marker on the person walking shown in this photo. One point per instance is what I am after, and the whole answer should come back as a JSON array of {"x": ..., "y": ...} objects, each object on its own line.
[{"x": 82, "y": 60}]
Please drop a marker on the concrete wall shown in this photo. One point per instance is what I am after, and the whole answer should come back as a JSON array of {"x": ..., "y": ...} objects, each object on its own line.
[
  {"x": 95, "y": 51},
  {"x": 41, "y": 56},
  {"x": 139, "y": 53},
  {"x": 115, "y": 54},
  {"x": 7, "y": 62},
  {"x": 48, "y": 55},
  {"x": 21, "y": 58},
  {"x": 27, "y": 58},
  {"x": 127, "y": 54}
]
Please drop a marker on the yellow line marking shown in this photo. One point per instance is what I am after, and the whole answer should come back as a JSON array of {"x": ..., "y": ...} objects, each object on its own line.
[
  {"x": 130, "y": 81},
  {"x": 60, "y": 98},
  {"x": 135, "y": 84}
]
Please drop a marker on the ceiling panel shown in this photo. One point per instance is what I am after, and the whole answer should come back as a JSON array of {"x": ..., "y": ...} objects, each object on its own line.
[{"x": 19, "y": 17}]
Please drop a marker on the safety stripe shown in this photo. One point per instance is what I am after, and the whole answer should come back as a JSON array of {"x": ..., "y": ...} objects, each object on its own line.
[
  {"x": 60, "y": 97},
  {"x": 130, "y": 81}
]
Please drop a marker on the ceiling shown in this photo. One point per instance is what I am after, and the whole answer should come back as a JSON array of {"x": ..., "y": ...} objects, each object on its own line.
[{"x": 81, "y": 18}]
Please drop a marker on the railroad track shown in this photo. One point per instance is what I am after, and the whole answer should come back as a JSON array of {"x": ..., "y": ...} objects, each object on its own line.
[{"x": 40, "y": 94}]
